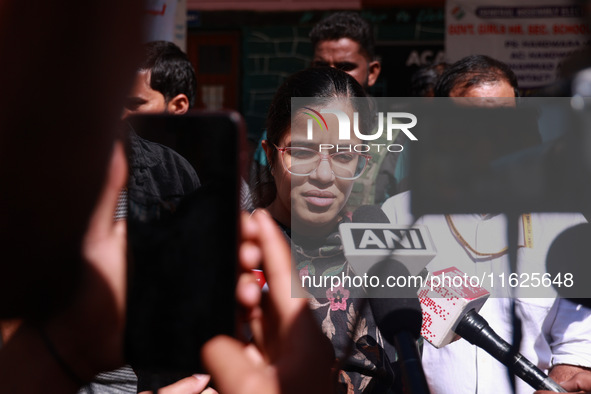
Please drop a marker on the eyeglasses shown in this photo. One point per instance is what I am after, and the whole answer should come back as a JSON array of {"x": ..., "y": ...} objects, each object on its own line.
[{"x": 304, "y": 161}]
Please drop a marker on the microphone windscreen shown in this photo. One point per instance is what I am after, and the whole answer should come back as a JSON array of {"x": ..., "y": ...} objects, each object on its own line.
[
  {"x": 445, "y": 297},
  {"x": 369, "y": 214},
  {"x": 401, "y": 311}
]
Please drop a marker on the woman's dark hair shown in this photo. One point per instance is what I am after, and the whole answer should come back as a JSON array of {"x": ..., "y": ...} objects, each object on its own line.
[
  {"x": 324, "y": 84},
  {"x": 473, "y": 71}
]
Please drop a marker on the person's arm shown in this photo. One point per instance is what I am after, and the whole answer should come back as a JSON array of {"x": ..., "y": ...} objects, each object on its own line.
[
  {"x": 292, "y": 355},
  {"x": 570, "y": 339},
  {"x": 69, "y": 349}
]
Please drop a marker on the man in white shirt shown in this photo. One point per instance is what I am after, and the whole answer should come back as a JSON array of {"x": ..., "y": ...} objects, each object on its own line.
[{"x": 556, "y": 332}]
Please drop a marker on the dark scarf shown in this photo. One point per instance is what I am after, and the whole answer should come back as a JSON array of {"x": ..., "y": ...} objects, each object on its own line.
[{"x": 345, "y": 317}]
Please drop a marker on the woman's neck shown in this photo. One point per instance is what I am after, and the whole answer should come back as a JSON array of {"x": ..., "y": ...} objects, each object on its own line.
[
  {"x": 313, "y": 232},
  {"x": 283, "y": 216}
]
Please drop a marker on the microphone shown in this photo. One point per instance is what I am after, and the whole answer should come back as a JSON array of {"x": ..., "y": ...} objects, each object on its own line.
[
  {"x": 475, "y": 329},
  {"x": 450, "y": 309},
  {"x": 372, "y": 238},
  {"x": 399, "y": 319},
  {"x": 369, "y": 214},
  {"x": 444, "y": 306}
]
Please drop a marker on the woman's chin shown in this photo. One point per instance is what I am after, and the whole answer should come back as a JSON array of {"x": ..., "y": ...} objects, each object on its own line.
[
  {"x": 315, "y": 220},
  {"x": 326, "y": 210}
]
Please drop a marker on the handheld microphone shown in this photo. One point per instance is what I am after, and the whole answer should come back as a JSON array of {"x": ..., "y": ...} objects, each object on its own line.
[
  {"x": 475, "y": 329},
  {"x": 449, "y": 309},
  {"x": 399, "y": 320},
  {"x": 371, "y": 238}
]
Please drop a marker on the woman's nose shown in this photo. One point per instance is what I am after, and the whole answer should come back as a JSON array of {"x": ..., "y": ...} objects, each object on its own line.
[{"x": 323, "y": 172}]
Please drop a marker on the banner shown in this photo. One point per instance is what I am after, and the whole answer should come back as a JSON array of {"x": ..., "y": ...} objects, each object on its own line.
[
  {"x": 166, "y": 20},
  {"x": 533, "y": 37}
]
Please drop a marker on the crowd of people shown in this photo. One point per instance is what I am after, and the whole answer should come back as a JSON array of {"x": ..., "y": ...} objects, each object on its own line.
[{"x": 63, "y": 282}]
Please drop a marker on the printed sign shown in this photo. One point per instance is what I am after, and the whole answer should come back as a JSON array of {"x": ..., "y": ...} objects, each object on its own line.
[{"x": 533, "y": 37}]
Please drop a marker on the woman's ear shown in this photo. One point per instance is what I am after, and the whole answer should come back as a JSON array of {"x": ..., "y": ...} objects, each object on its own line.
[{"x": 269, "y": 153}]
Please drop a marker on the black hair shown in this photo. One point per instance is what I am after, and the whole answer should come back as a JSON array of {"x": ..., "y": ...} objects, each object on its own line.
[
  {"x": 473, "y": 71},
  {"x": 423, "y": 81},
  {"x": 323, "y": 85},
  {"x": 345, "y": 25},
  {"x": 171, "y": 71}
]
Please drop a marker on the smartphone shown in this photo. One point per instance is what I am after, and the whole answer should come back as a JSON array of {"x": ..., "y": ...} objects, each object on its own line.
[{"x": 182, "y": 247}]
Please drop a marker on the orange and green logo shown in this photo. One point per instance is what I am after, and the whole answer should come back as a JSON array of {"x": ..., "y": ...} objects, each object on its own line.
[
  {"x": 315, "y": 117},
  {"x": 458, "y": 12}
]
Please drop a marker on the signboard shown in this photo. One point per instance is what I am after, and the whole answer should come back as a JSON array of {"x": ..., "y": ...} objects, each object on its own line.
[{"x": 533, "y": 37}]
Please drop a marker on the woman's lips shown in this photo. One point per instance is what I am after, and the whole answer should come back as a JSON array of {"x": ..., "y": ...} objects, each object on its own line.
[{"x": 319, "y": 198}]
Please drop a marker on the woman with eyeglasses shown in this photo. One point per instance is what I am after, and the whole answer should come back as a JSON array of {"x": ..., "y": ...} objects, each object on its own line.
[{"x": 313, "y": 164}]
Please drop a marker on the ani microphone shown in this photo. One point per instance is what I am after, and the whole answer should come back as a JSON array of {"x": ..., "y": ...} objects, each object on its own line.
[{"x": 371, "y": 238}]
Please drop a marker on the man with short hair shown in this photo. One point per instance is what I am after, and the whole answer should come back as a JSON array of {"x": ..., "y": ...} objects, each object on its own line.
[
  {"x": 488, "y": 82},
  {"x": 345, "y": 40},
  {"x": 478, "y": 76},
  {"x": 165, "y": 82},
  {"x": 555, "y": 331}
]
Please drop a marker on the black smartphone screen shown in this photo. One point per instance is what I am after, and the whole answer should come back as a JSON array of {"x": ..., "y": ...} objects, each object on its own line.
[{"x": 182, "y": 245}]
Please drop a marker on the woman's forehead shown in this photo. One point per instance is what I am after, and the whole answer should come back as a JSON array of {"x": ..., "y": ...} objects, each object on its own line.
[{"x": 311, "y": 128}]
